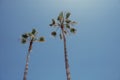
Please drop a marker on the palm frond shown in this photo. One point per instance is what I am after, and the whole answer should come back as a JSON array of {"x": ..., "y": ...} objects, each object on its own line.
[
  {"x": 23, "y": 40},
  {"x": 34, "y": 31},
  {"x": 73, "y": 30},
  {"x": 60, "y": 17},
  {"x": 60, "y": 36},
  {"x": 41, "y": 39},
  {"x": 61, "y": 14},
  {"x": 65, "y": 31},
  {"x": 68, "y": 26},
  {"x": 68, "y": 15},
  {"x": 67, "y": 21},
  {"x": 25, "y": 35},
  {"x": 53, "y": 23},
  {"x": 53, "y": 33},
  {"x": 73, "y": 23}
]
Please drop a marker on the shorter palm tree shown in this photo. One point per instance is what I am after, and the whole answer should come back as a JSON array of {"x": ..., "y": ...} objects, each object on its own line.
[
  {"x": 30, "y": 37},
  {"x": 65, "y": 25}
]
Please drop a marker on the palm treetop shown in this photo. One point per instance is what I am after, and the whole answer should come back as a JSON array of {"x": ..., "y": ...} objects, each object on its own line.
[
  {"x": 27, "y": 37},
  {"x": 64, "y": 23}
]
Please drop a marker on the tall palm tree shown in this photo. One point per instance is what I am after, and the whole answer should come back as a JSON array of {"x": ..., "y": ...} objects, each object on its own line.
[
  {"x": 65, "y": 25},
  {"x": 29, "y": 37}
]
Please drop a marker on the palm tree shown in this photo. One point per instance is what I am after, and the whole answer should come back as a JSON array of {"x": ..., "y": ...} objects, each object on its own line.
[
  {"x": 65, "y": 25},
  {"x": 29, "y": 37}
]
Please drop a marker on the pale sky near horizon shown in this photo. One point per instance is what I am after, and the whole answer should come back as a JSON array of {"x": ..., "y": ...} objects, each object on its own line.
[{"x": 94, "y": 51}]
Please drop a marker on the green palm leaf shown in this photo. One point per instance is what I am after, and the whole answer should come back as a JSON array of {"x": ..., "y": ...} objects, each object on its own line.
[
  {"x": 53, "y": 33},
  {"x": 68, "y": 26},
  {"x": 67, "y": 15},
  {"x": 60, "y": 17},
  {"x": 60, "y": 36},
  {"x": 23, "y": 40},
  {"x": 34, "y": 31},
  {"x": 68, "y": 21},
  {"x": 73, "y": 30},
  {"x": 41, "y": 39},
  {"x": 25, "y": 36}
]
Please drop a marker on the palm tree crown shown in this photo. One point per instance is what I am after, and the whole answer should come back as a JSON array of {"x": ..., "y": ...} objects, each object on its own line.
[
  {"x": 64, "y": 23},
  {"x": 31, "y": 36}
]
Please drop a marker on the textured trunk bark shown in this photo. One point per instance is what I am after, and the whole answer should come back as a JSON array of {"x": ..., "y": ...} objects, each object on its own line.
[
  {"x": 66, "y": 56},
  {"x": 27, "y": 60}
]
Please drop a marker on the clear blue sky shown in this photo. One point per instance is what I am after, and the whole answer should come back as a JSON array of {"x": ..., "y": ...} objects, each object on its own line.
[{"x": 94, "y": 51}]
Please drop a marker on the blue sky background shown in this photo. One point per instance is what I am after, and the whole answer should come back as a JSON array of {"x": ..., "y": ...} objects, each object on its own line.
[{"x": 94, "y": 51}]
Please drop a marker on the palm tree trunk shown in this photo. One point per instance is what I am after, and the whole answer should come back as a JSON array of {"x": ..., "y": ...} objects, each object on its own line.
[
  {"x": 66, "y": 57},
  {"x": 27, "y": 60}
]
